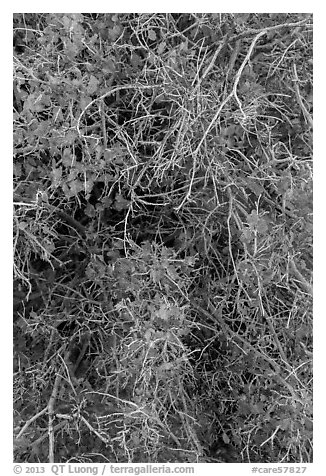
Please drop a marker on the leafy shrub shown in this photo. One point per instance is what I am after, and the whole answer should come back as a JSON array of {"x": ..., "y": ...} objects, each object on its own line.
[{"x": 163, "y": 237}]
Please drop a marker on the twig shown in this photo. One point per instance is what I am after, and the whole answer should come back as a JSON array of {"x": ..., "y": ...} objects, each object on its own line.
[
  {"x": 307, "y": 287},
  {"x": 51, "y": 417},
  {"x": 270, "y": 324},
  {"x": 50, "y": 409},
  {"x": 105, "y": 140},
  {"x": 243, "y": 64},
  {"x": 233, "y": 93},
  {"x": 271, "y": 437},
  {"x": 92, "y": 429},
  {"x": 109, "y": 93},
  {"x": 233, "y": 58},
  {"x": 306, "y": 114},
  {"x": 270, "y": 28},
  {"x": 78, "y": 227},
  {"x": 30, "y": 421},
  {"x": 45, "y": 251},
  {"x": 211, "y": 64},
  {"x": 46, "y": 434},
  {"x": 214, "y": 316}
]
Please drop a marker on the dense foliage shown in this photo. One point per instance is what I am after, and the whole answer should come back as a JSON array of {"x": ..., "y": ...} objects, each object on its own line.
[{"x": 163, "y": 237}]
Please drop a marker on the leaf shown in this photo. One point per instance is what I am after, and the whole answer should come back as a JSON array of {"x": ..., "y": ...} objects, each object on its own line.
[
  {"x": 262, "y": 226},
  {"x": 121, "y": 203},
  {"x": 241, "y": 18},
  {"x": 244, "y": 408},
  {"x": 69, "y": 137},
  {"x": 56, "y": 176},
  {"x": 136, "y": 60},
  {"x": 115, "y": 32},
  {"x": 152, "y": 35},
  {"x": 161, "y": 48},
  {"x": 254, "y": 186},
  {"x": 84, "y": 101},
  {"x": 163, "y": 313},
  {"x": 252, "y": 219},
  {"x": 76, "y": 186},
  {"x": 21, "y": 442},
  {"x": 107, "y": 202},
  {"x": 285, "y": 424},
  {"x": 22, "y": 225},
  {"x": 67, "y": 21},
  {"x": 92, "y": 85},
  {"x": 67, "y": 157},
  {"x": 90, "y": 210},
  {"x": 184, "y": 46},
  {"x": 246, "y": 235},
  {"x": 109, "y": 66},
  {"x": 17, "y": 169}
]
